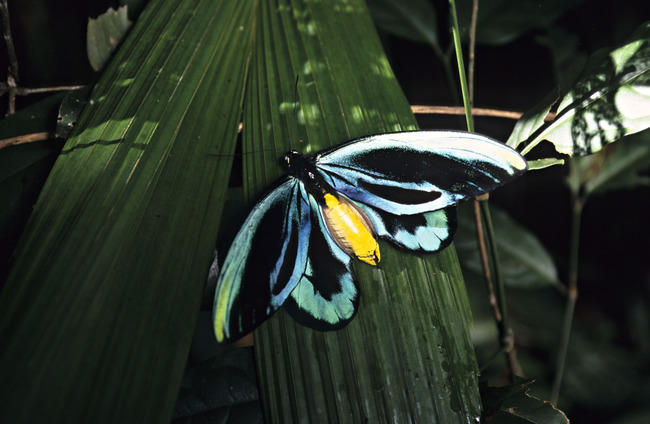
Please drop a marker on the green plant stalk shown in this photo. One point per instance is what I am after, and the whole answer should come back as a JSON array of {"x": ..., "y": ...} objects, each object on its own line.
[
  {"x": 498, "y": 279},
  {"x": 461, "y": 66},
  {"x": 506, "y": 336},
  {"x": 572, "y": 296}
]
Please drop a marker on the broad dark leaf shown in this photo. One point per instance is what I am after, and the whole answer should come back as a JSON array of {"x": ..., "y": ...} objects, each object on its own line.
[
  {"x": 620, "y": 166},
  {"x": 514, "y": 405},
  {"x": 219, "y": 384},
  {"x": 70, "y": 110},
  {"x": 415, "y": 20},
  {"x": 525, "y": 263},
  {"x": 502, "y": 21}
]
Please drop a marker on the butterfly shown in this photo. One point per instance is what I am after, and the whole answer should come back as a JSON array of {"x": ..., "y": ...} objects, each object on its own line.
[{"x": 296, "y": 246}]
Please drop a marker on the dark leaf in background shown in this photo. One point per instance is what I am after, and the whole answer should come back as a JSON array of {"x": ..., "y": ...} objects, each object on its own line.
[
  {"x": 568, "y": 59},
  {"x": 414, "y": 20},
  {"x": 123, "y": 186},
  {"x": 641, "y": 416},
  {"x": 23, "y": 169},
  {"x": 134, "y": 7},
  {"x": 514, "y": 405},
  {"x": 502, "y": 21},
  {"x": 104, "y": 34},
  {"x": 220, "y": 383},
  {"x": 38, "y": 117},
  {"x": 243, "y": 413},
  {"x": 617, "y": 167},
  {"x": 599, "y": 373},
  {"x": 70, "y": 110},
  {"x": 525, "y": 263}
]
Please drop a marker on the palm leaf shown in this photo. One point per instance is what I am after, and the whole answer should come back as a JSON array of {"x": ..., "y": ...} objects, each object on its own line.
[
  {"x": 406, "y": 356},
  {"x": 100, "y": 304}
]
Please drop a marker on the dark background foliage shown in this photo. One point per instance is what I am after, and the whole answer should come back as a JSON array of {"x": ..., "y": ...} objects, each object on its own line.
[{"x": 608, "y": 368}]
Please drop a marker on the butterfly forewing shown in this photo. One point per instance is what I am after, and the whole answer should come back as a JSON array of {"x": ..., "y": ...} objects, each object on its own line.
[
  {"x": 420, "y": 171},
  {"x": 326, "y": 296},
  {"x": 265, "y": 262}
]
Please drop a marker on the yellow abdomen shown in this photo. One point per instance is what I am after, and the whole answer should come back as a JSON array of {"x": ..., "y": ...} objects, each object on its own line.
[{"x": 350, "y": 228}]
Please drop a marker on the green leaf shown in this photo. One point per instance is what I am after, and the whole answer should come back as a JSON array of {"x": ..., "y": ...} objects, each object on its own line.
[
  {"x": 502, "y": 21},
  {"x": 611, "y": 99},
  {"x": 70, "y": 110},
  {"x": 525, "y": 263},
  {"x": 104, "y": 34},
  {"x": 135, "y": 7},
  {"x": 568, "y": 63},
  {"x": 24, "y": 168},
  {"x": 601, "y": 373},
  {"x": 38, "y": 117},
  {"x": 619, "y": 166},
  {"x": 108, "y": 277},
  {"x": 414, "y": 20},
  {"x": 530, "y": 122},
  {"x": 544, "y": 163},
  {"x": 641, "y": 416},
  {"x": 100, "y": 305},
  {"x": 220, "y": 383},
  {"x": 411, "y": 329},
  {"x": 514, "y": 405}
]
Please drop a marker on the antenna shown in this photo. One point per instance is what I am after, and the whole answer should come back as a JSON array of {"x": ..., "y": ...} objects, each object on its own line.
[{"x": 295, "y": 108}]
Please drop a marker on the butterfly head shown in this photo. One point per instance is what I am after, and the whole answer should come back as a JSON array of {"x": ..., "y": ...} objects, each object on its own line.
[{"x": 294, "y": 162}]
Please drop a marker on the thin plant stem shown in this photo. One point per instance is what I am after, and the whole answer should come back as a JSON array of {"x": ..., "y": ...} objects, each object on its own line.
[
  {"x": 485, "y": 263},
  {"x": 506, "y": 335},
  {"x": 25, "y": 138},
  {"x": 572, "y": 296},
  {"x": 12, "y": 71},
  {"x": 459, "y": 110},
  {"x": 25, "y": 91},
  {"x": 489, "y": 231},
  {"x": 476, "y": 111},
  {"x": 472, "y": 49},
  {"x": 461, "y": 66}
]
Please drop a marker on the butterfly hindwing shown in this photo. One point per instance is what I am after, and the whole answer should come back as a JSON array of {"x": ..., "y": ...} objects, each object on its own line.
[
  {"x": 427, "y": 232},
  {"x": 326, "y": 297},
  {"x": 419, "y": 171},
  {"x": 265, "y": 262}
]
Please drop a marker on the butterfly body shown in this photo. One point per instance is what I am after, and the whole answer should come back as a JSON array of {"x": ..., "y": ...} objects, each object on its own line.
[
  {"x": 296, "y": 246},
  {"x": 346, "y": 223}
]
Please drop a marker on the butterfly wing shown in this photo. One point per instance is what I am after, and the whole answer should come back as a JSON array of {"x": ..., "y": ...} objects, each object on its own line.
[
  {"x": 426, "y": 232},
  {"x": 265, "y": 262},
  {"x": 326, "y": 296},
  {"x": 415, "y": 172}
]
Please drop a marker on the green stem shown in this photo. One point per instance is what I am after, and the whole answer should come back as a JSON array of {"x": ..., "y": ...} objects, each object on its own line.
[
  {"x": 461, "y": 66},
  {"x": 506, "y": 336},
  {"x": 498, "y": 278},
  {"x": 572, "y": 296}
]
